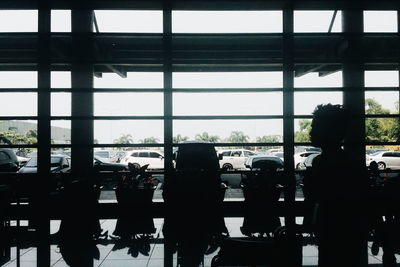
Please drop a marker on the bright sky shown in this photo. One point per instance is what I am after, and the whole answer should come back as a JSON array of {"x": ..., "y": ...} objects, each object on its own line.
[{"x": 270, "y": 103}]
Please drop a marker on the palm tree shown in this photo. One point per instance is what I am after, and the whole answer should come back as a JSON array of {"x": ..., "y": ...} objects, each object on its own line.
[
  {"x": 149, "y": 140},
  {"x": 179, "y": 138},
  {"x": 124, "y": 139},
  {"x": 205, "y": 137},
  {"x": 238, "y": 137}
]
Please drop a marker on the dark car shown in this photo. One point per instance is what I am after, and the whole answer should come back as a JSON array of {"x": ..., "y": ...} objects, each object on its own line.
[
  {"x": 104, "y": 164},
  {"x": 8, "y": 160},
  {"x": 259, "y": 161},
  {"x": 59, "y": 164}
]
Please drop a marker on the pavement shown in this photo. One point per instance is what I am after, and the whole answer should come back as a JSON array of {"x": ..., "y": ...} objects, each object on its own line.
[{"x": 110, "y": 255}]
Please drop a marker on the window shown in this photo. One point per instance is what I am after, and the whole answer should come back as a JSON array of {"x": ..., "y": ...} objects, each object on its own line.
[
  {"x": 317, "y": 21},
  {"x": 380, "y": 21},
  {"x": 18, "y": 20},
  {"x": 3, "y": 156},
  {"x": 226, "y": 21},
  {"x": 154, "y": 155},
  {"x": 143, "y": 154},
  {"x": 129, "y": 21},
  {"x": 135, "y": 154}
]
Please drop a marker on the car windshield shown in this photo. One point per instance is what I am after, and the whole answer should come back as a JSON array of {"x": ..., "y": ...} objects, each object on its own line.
[
  {"x": 55, "y": 161},
  {"x": 101, "y": 160}
]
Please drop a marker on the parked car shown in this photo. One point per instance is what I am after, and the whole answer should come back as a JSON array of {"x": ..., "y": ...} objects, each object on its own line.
[
  {"x": 8, "y": 160},
  {"x": 119, "y": 155},
  {"x": 22, "y": 160},
  {"x": 374, "y": 150},
  {"x": 103, "y": 164},
  {"x": 307, "y": 163},
  {"x": 278, "y": 154},
  {"x": 263, "y": 160},
  {"x": 106, "y": 154},
  {"x": 142, "y": 157},
  {"x": 234, "y": 158},
  {"x": 59, "y": 164},
  {"x": 385, "y": 160},
  {"x": 301, "y": 157}
]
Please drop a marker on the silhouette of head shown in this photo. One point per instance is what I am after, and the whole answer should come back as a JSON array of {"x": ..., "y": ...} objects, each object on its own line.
[{"x": 329, "y": 125}]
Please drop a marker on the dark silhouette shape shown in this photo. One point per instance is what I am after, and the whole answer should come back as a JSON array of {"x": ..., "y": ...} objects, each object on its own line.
[
  {"x": 134, "y": 194},
  {"x": 5, "y": 235},
  {"x": 261, "y": 188},
  {"x": 194, "y": 229},
  {"x": 337, "y": 186},
  {"x": 137, "y": 244}
]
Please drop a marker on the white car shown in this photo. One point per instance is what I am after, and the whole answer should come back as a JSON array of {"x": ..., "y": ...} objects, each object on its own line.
[
  {"x": 142, "y": 157},
  {"x": 299, "y": 158},
  {"x": 234, "y": 158},
  {"x": 385, "y": 160}
]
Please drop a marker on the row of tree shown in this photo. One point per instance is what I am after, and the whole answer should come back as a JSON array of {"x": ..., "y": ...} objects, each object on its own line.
[{"x": 376, "y": 129}]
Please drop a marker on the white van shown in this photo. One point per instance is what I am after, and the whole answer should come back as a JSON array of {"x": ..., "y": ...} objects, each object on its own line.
[{"x": 142, "y": 157}]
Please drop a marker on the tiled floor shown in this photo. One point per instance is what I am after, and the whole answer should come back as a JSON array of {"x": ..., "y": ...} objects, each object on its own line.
[{"x": 121, "y": 258}]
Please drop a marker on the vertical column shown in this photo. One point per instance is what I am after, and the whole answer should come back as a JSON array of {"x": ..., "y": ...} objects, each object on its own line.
[
  {"x": 288, "y": 111},
  {"x": 354, "y": 94},
  {"x": 40, "y": 201},
  {"x": 353, "y": 82},
  {"x": 167, "y": 48},
  {"x": 82, "y": 93}
]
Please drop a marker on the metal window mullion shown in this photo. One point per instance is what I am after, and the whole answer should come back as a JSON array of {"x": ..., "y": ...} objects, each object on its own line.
[
  {"x": 40, "y": 200},
  {"x": 168, "y": 123},
  {"x": 353, "y": 81},
  {"x": 288, "y": 112},
  {"x": 82, "y": 100}
]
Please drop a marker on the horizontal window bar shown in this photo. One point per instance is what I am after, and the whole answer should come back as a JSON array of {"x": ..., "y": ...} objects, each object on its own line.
[
  {"x": 227, "y": 117},
  {"x": 128, "y": 145}
]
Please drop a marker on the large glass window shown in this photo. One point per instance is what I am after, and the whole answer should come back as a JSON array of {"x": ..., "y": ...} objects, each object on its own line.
[
  {"x": 129, "y": 21},
  {"x": 380, "y": 21},
  {"x": 226, "y": 21}
]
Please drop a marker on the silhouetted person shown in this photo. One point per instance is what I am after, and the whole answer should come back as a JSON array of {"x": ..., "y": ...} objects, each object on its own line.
[{"x": 338, "y": 186}]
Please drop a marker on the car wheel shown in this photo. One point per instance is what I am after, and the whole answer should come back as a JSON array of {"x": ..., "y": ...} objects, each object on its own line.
[
  {"x": 227, "y": 166},
  {"x": 381, "y": 166}
]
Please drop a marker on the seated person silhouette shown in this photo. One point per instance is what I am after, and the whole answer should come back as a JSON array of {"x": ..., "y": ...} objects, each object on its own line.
[{"x": 337, "y": 185}]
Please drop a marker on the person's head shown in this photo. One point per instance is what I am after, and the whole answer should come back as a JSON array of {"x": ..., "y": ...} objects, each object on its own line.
[{"x": 329, "y": 125}]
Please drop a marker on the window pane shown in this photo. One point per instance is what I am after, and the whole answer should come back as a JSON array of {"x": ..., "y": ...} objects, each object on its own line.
[
  {"x": 306, "y": 102},
  {"x": 129, "y": 21},
  {"x": 378, "y": 102},
  {"x": 230, "y": 131},
  {"x": 317, "y": 21},
  {"x": 302, "y": 128},
  {"x": 133, "y": 80},
  {"x": 128, "y": 104},
  {"x": 380, "y": 21},
  {"x": 384, "y": 78},
  {"x": 18, "y": 104},
  {"x": 382, "y": 129},
  {"x": 128, "y": 131},
  {"x": 18, "y": 20},
  {"x": 61, "y": 20},
  {"x": 60, "y": 79},
  {"x": 60, "y": 104},
  {"x": 18, "y": 132},
  {"x": 226, "y": 21},
  {"x": 314, "y": 80},
  {"x": 61, "y": 131},
  {"x": 227, "y": 103},
  {"x": 227, "y": 79},
  {"x": 18, "y": 79}
]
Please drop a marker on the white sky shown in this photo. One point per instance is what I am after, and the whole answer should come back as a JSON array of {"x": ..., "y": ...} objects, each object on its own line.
[{"x": 107, "y": 104}]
